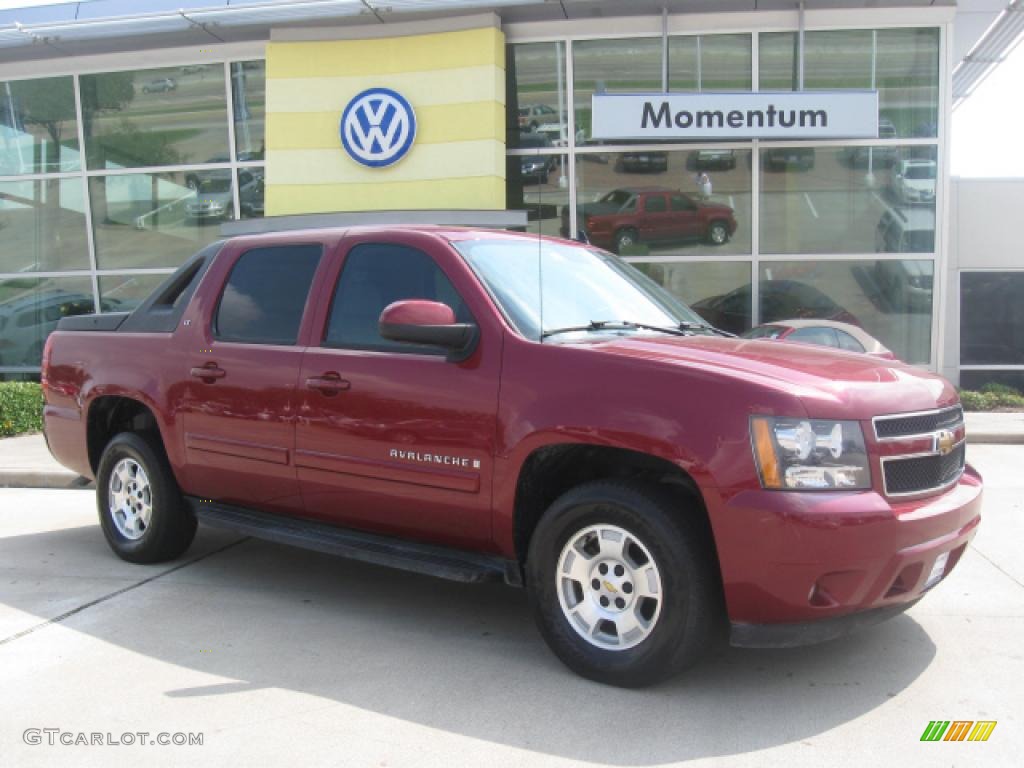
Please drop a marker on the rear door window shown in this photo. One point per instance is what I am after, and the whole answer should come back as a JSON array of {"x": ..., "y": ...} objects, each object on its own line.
[
  {"x": 655, "y": 204},
  {"x": 265, "y": 295}
]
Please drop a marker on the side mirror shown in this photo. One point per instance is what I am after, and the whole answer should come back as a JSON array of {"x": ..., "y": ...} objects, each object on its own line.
[{"x": 431, "y": 323}]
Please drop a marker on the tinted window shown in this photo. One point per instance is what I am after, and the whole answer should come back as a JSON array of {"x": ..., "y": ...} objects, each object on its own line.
[
  {"x": 680, "y": 203},
  {"x": 847, "y": 342},
  {"x": 374, "y": 276},
  {"x": 266, "y": 295},
  {"x": 823, "y": 336},
  {"x": 991, "y": 318},
  {"x": 655, "y": 204}
]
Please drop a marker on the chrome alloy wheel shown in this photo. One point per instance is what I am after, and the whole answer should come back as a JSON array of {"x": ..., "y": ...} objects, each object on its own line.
[
  {"x": 130, "y": 499},
  {"x": 609, "y": 587}
]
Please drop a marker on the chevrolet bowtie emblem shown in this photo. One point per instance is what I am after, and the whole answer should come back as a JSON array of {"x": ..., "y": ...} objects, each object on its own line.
[
  {"x": 610, "y": 587},
  {"x": 944, "y": 442}
]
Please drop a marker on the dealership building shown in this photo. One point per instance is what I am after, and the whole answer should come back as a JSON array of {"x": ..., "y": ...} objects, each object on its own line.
[{"x": 132, "y": 131}]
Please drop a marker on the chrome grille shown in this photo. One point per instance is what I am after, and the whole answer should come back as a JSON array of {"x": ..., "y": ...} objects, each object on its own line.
[
  {"x": 910, "y": 424},
  {"x": 918, "y": 474}
]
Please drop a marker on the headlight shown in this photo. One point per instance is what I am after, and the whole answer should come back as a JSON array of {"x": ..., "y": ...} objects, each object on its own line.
[{"x": 810, "y": 454}]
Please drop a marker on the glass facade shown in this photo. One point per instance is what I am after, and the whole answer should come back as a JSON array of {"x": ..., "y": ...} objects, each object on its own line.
[
  {"x": 38, "y": 127},
  {"x": 110, "y": 180},
  {"x": 153, "y": 117},
  {"x": 839, "y": 230}
]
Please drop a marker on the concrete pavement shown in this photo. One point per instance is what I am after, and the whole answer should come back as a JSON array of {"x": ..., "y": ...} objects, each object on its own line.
[
  {"x": 25, "y": 461},
  {"x": 284, "y": 657}
]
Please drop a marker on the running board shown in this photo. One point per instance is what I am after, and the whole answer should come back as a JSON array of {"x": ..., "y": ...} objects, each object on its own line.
[{"x": 429, "y": 559}]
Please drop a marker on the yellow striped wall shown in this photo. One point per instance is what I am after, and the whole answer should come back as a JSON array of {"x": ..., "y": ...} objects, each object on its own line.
[{"x": 455, "y": 82}]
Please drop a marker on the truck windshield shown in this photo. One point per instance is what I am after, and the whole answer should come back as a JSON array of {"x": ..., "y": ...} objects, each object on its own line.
[{"x": 585, "y": 290}]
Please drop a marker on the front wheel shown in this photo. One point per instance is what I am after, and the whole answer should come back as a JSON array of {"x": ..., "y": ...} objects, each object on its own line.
[
  {"x": 623, "y": 583},
  {"x": 143, "y": 516},
  {"x": 624, "y": 238},
  {"x": 718, "y": 233}
]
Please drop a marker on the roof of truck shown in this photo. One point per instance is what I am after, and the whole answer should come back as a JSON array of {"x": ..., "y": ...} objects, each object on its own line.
[{"x": 445, "y": 232}]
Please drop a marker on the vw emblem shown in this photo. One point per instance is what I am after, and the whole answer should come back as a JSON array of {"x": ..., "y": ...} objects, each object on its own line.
[{"x": 378, "y": 127}]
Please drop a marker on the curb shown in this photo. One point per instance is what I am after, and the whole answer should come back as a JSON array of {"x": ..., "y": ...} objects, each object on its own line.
[
  {"x": 33, "y": 478},
  {"x": 995, "y": 438}
]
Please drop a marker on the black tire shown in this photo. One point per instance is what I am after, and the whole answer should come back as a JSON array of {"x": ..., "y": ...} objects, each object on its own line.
[
  {"x": 625, "y": 238},
  {"x": 718, "y": 233},
  {"x": 676, "y": 535},
  {"x": 171, "y": 527}
]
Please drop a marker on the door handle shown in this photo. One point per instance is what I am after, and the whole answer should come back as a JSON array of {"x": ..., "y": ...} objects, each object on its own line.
[
  {"x": 209, "y": 372},
  {"x": 329, "y": 384}
]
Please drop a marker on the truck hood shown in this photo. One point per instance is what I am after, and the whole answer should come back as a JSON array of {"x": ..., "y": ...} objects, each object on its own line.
[{"x": 829, "y": 383}]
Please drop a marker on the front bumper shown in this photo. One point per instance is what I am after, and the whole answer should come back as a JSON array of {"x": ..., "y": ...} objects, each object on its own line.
[
  {"x": 792, "y": 560},
  {"x": 205, "y": 213},
  {"x": 800, "y": 633}
]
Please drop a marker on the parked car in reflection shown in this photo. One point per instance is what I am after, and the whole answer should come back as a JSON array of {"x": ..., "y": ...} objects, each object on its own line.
[
  {"x": 532, "y": 116},
  {"x": 714, "y": 159},
  {"x": 642, "y": 162},
  {"x": 558, "y": 132},
  {"x": 628, "y": 216},
  {"x": 779, "y": 298},
  {"x": 192, "y": 178},
  {"x": 214, "y": 200},
  {"x": 784, "y": 158},
  {"x": 160, "y": 85},
  {"x": 906, "y": 230},
  {"x": 251, "y": 196},
  {"x": 826, "y": 333},
  {"x": 913, "y": 181},
  {"x": 906, "y": 284},
  {"x": 27, "y": 319},
  {"x": 536, "y": 168}
]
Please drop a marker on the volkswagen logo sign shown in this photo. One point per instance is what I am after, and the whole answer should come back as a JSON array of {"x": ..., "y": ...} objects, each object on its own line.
[{"x": 378, "y": 127}]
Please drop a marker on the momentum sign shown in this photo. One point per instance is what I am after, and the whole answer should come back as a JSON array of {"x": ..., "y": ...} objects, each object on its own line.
[{"x": 786, "y": 115}]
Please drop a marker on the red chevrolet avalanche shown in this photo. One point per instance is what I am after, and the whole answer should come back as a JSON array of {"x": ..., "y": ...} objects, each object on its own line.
[{"x": 483, "y": 405}]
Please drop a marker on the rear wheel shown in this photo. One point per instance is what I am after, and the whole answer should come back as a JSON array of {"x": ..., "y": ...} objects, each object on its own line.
[
  {"x": 143, "y": 516},
  {"x": 623, "y": 583}
]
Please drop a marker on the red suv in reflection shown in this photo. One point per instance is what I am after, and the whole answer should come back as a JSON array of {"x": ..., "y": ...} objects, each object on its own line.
[{"x": 631, "y": 215}]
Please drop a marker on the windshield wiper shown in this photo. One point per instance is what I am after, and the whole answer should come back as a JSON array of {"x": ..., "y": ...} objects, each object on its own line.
[
  {"x": 688, "y": 326},
  {"x": 616, "y": 325}
]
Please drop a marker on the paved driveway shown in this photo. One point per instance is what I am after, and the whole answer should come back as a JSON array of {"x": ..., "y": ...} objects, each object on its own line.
[{"x": 282, "y": 657}]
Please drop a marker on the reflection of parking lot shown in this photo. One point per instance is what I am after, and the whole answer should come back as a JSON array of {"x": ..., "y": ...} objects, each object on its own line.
[
  {"x": 882, "y": 301},
  {"x": 824, "y": 201},
  {"x": 835, "y": 206},
  {"x": 598, "y": 174}
]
